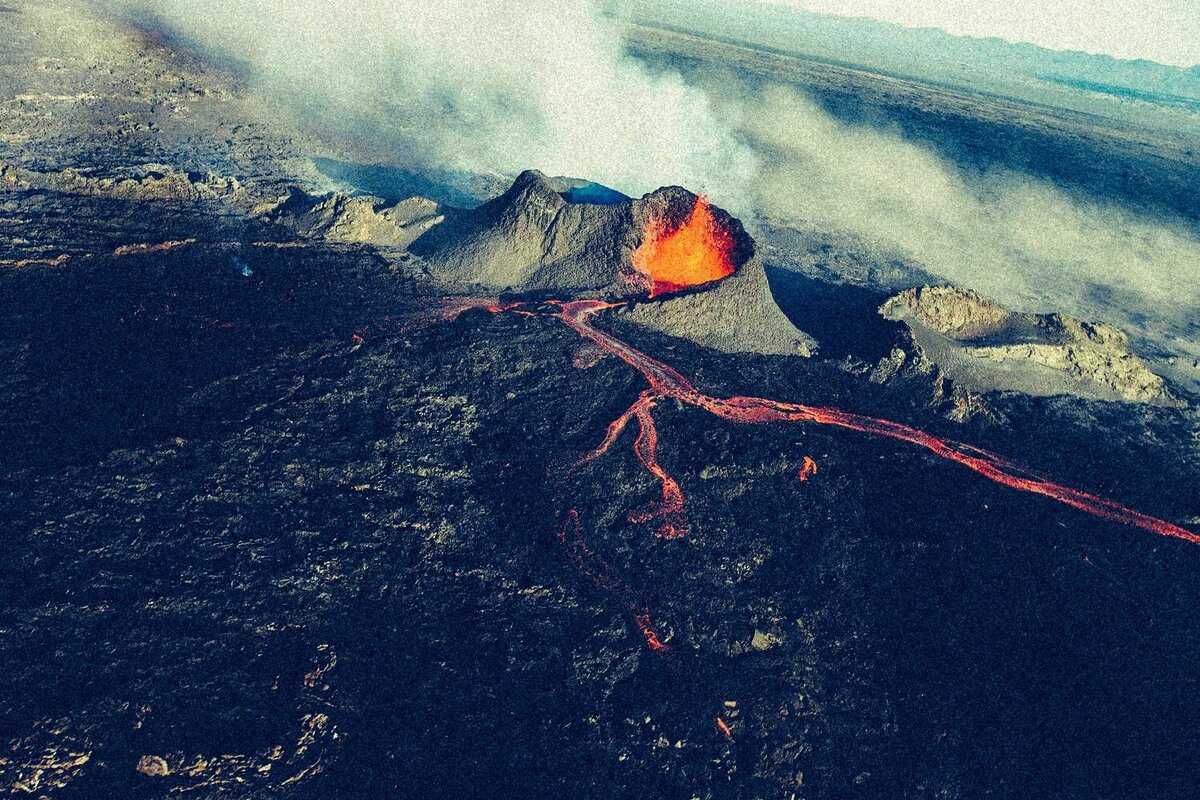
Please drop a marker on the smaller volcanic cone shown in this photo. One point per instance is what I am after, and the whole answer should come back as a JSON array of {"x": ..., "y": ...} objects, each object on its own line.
[
  {"x": 696, "y": 252},
  {"x": 686, "y": 243}
]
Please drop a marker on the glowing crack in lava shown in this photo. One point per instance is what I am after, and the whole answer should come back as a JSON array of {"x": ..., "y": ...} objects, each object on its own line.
[
  {"x": 670, "y": 510},
  {"x": 666, "y": 382},
  {"x": 591, "y": 565},
  {"x": 807, "y": 469},
  {"x": 724, "y": 728},
  {"x": 698, "y": 251}
]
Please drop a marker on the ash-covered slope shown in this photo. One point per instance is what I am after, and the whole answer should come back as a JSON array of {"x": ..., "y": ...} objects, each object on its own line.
[
  {"x": 737, "y": 315},
  {"x": 985, "y": 346},
  {"x": 534, "y": 238}
]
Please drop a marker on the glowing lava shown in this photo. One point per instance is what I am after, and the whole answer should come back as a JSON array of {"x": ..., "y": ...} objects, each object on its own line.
[
  {"x": 698, "y": 251},
  {"x": 666, "y": 382},
  {"x": 807, "y": 469},
  {"x": 670, "y": 510},
  {"x": 591, "y": 565}
]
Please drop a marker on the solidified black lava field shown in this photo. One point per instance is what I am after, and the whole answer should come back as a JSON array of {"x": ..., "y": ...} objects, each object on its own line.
[
  {"x": 297, "y": 503},
  {"x": 289, "y": 534}
]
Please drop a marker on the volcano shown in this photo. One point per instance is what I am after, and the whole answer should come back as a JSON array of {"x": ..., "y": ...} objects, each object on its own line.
[
  {"x": 538, "y": 236},
  {"x": 315, "y": 489},
  {"x": 688, "y": 268}
]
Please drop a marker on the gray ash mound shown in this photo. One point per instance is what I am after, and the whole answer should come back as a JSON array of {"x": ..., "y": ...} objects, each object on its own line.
[
  {"x": 980, "y": 344},
  {"x": 570, "y": 238},
  {"x": 533, "y": 238}
]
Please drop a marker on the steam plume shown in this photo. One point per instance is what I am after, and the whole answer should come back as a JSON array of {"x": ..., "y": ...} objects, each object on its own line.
[
  {"x": 484, "y": 86},
  {"x": 495, "y": 86}
]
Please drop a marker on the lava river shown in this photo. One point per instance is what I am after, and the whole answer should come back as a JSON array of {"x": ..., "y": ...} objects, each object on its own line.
[{"x": 667, "y": 383}]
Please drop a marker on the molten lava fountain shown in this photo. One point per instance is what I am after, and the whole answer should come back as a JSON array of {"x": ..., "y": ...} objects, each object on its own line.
[{"x": 698, "y": 251}]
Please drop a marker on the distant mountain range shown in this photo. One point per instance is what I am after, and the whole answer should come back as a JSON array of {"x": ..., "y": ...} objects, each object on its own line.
[{"x": 1131, "y": 90}]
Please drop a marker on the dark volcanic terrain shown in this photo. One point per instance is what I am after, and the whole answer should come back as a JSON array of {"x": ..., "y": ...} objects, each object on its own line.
[{"x": 289, "y": 514}]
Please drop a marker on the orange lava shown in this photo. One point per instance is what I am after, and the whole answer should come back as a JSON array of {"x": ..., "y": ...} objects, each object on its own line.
[
  {"x": 670, "y": 510},
  {"x": 698, "y": 251},
  {"x": 451, "y": 308},
  {"x": 807, "y": 469},
  {"x": 595, "y": 568},
  {"x": 642, "y": 619},
  {"x": 724, "y": 728},
  {"x": 666, "y": 382}
]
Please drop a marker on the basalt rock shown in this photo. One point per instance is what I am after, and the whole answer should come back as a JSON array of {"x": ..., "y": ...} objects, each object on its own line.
[{"x": 981, "y": 345}]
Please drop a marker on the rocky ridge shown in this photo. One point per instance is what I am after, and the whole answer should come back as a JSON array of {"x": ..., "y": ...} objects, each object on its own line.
[
  {"x": 980, "y": 344},
  {"x": 145, "y": 182}
]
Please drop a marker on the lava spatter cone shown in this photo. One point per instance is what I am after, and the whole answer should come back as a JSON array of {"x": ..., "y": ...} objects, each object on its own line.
[
  {"x": 687, "y": 267},
  {"x": 706, "y": 279}
]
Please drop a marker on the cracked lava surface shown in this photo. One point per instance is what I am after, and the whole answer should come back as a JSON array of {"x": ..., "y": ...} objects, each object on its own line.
[{"x": 667, "y": 383}]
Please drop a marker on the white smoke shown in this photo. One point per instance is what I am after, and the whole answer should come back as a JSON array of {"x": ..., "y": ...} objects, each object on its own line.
[
  {"x": 484, "y": 86},
  {"x": 496, "y": 86},
  {"x": 1016, "y": 239}
]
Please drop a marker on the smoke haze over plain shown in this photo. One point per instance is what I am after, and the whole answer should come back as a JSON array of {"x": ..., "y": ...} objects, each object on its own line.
[
  {"x": 496, "y": 86},
  {"x": 1014, "y": 238},
  {"x": 1166, "y": 31}
]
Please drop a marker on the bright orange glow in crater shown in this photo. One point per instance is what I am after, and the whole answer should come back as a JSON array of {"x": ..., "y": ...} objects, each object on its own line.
[{"x": 698, "y": 251}]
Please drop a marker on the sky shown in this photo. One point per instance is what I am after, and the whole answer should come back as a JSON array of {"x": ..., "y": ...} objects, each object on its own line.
[{"x": 1166, "y": 31}]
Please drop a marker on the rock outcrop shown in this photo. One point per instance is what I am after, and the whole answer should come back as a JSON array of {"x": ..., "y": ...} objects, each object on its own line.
[
  {"x": 146, "y": 182},
  {"x": 355, "y": 220},
  {"x": 979, "y": 344}
]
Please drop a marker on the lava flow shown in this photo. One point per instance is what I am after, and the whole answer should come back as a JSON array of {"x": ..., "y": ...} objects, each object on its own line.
[
  {"x": 666, "y": 382},
  {"x": 724, "y": 728},
  {"x": 670, "y": 510},
  {"x": 698, "y": 251},
  {"x": 591, "y": 565},
  {"x": 807, "y": 469}
]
